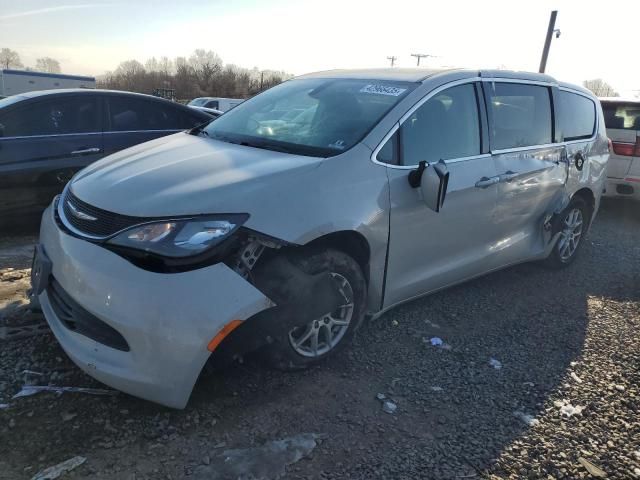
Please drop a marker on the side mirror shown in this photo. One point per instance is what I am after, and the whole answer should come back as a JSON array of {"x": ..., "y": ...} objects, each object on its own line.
[{"x": 433, "y": 180}]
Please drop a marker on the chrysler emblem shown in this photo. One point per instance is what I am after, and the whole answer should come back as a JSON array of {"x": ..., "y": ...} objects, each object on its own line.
[{"x": 80, "y": 215}]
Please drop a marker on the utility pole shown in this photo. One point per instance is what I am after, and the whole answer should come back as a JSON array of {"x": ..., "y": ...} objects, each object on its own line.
[
  {"x": 261, "y": 80},
  {"x": 547, "y": 41},
  {"x": 393, "y": 60},
  {"x": 419, "y": 56}
]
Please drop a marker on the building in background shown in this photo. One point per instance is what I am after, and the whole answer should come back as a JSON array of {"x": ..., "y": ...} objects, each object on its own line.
[{"x": 13, "y": 82}]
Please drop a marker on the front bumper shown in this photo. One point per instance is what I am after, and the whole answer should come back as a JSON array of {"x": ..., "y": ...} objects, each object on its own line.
[{"x": 166, "y": 319}]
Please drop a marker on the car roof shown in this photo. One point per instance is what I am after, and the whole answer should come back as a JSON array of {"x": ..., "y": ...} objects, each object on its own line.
[
  {"x": 619, "y": 99},
  {"x": 421, "y": 74},
  {"x": 86, "y": 91}
]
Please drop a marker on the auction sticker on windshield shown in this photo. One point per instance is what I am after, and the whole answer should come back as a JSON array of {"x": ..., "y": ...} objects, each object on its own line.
[{"x": 382, "y": 90}]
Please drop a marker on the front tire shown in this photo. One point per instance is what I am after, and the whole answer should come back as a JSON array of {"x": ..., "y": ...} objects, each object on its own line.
[
  {"x": 312, "y": 343},
  {"x": 572, "y": 224}
]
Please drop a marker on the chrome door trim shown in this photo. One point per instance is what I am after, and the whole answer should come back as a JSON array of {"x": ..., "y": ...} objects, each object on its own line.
[
  {"x": 519, "y": 80},
  {"x": 145, "y": 131},
  {"x": 524, "y": 149},
  {"x": 50, "y": 136}
]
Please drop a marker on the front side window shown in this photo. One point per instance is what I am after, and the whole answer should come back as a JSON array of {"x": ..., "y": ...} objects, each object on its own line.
[
  {"x": 446, "y": 126},
  {"x": 61, "y": 116},
  {"x": 317, "y": 116},
  {"x": 576, "y": 115},
  {"x": 519, "y": 115}
]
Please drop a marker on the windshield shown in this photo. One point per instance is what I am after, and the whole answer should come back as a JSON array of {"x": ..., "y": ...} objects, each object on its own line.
[{"x": 316, "y": 117}]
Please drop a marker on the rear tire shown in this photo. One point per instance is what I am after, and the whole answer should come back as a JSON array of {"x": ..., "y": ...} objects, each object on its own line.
[
  {"x": 572, "y": 223},
  {"x": 308, "y": 345}
]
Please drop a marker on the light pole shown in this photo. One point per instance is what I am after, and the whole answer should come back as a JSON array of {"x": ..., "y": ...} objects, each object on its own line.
[
  {"x": 551, "y": 29},
  {"x": 393, "y": 59},
  {"x": 419, "y": 56}
]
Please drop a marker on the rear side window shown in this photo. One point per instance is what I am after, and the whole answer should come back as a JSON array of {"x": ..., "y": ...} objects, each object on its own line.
[
  {"x": 576, "y": 115},
  {"x": 519, "y": 115},
  {"x": 213, "y": 104},
  {"x": 446, "y": 126},
  {"x": 622, "y": 115},
  {"x": 60, "y": 116},
  {"x": 127, "y": 113}
]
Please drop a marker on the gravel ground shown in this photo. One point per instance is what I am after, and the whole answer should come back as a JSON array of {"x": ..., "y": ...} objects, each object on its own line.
[{"x": 538, "y": 377}]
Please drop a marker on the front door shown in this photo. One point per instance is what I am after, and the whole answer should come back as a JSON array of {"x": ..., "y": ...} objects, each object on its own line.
[
  {"x": 429, "y": 250},
  {"x": 44, "y": 143}
]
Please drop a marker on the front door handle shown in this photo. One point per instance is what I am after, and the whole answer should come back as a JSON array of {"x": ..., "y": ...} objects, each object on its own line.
[
  {"x": 486, "y": 182},
  {"x": 86, "y": 151}
]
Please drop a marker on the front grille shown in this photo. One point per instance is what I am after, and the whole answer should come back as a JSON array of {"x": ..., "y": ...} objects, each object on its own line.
[
  {"x": 77, "y": 319},
  {"x": 105, "y": 224}
]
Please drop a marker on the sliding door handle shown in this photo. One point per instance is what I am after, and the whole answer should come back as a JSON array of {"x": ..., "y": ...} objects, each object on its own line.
[
  {"x": 508, "y": 176},
  {"x": 486, "y": 182}
]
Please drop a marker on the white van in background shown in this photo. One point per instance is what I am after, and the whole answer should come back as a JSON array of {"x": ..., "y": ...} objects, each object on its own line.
[
  {"x": 622, "y": 118},
  {"x": 217, "y": 103}
]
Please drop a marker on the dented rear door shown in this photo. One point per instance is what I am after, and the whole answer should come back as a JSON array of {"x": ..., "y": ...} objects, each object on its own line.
[{"x": 531, "y": 168}]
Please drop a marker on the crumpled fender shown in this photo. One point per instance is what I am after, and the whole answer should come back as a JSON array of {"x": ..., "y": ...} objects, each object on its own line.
[{"x": 300, "y": 297}]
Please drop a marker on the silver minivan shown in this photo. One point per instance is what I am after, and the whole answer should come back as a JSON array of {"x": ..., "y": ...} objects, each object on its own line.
[{"x": 329, "y": 198}]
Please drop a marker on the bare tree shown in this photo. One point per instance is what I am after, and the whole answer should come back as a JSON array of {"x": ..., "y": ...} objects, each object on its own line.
[
  {"x": 10, "y": 59},
  {"x": 205, "y": 64},
  {"x": 47, "y": 64},
  {"x": 202, "y": 74},
  {"x": 600, "y": 88}
]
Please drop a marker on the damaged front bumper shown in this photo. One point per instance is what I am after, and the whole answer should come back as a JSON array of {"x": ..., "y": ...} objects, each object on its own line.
[{"x": 166, "y": 320}]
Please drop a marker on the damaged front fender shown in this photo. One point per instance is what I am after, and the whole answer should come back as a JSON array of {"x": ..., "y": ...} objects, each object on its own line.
[{"x": 300, "y": 297}]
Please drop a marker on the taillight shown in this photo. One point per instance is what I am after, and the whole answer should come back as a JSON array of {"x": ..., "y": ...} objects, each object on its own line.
[{"x": 627, "y": 149}]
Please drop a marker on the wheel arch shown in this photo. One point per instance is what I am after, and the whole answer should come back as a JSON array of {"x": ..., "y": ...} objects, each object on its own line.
[
  {"x": 587, "y": 195},
  {"x": 351, "y": 242},
  {"x": 589, "y": 198}
]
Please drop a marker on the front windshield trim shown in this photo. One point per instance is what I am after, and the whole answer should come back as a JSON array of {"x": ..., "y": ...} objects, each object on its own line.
[{"x": 240, "y": 137}]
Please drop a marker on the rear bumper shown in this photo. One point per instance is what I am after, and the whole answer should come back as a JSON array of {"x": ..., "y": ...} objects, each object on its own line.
[
  {"x": 166, "y": 319},
  {"x": 628, "y": 187}
]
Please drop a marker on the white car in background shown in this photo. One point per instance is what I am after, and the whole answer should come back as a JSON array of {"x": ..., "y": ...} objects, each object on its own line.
[
  {"x": 622, "y": 118},
  {"x": 217, "y": 103}
]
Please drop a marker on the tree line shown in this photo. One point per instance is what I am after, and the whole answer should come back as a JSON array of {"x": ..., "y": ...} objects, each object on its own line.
[
  {"x": 201, "y": 74},
  {"x": 11, "y": 59}
]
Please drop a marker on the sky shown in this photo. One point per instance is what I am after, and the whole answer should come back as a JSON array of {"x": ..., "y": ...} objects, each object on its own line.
[{"x": 91, "y": 37}]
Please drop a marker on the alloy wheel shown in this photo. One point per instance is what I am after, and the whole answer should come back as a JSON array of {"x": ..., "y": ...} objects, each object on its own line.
[
  {"x": 571, "y": 234},
  {"x": 323, "y": 334}
]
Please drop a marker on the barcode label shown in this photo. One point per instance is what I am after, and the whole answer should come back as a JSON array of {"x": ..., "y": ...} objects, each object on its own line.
[{"x": 382, "y": 90}]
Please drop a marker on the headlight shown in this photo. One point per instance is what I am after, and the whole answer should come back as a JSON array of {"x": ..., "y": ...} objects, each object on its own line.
[{"x": 180, "y": 238}]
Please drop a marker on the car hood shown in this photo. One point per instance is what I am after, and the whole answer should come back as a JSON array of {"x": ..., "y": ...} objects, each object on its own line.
[{"x": 185, "y": 174}]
